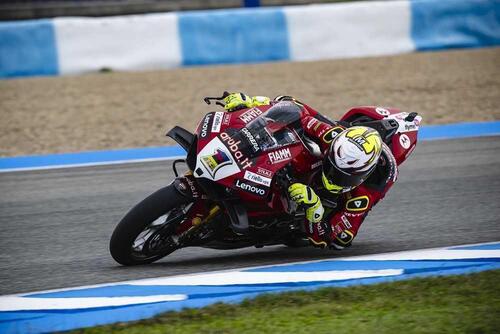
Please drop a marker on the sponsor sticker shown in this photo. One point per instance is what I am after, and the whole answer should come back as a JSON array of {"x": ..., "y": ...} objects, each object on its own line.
[
  {"x": 205, "y": 125},
  {"x": 311, "y": 122},
  {"x": 279, "y": 156},
  {"x": 359, "y": 203},
  {"x": 316, "y": 164},
  {"x": 227, "y": 118},
  {"x": 251, "y": 139},
  {"x": 234, "y": 147},
  {"x": 353, "y": 215},
  {"x": 320, "y": 228},
  {"x": 250, "y": 115},
  {"x": 404, "y": 141},
  {"x": 215, "y": 161},
  {"x": 400, "y": 116},
  {"x": 382, "y": 111},
  {"x": 253, "y": 189},
  {"x": 256, "y": 178},
  {"x": 345, "y": 237},
  {"x": 337, "y": 229},
  {"x": 192, "y": 186},
  {"x": 410, "y": 127},
  {"x": 346, "y": 221},
  {"x": 264, "y": 172},
  {"x": 216, "y": 124},
  {"x": 332, "y": 133}
]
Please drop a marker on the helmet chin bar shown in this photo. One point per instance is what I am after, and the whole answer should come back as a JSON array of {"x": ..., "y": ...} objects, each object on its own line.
[{"x": 333, "y": 177}]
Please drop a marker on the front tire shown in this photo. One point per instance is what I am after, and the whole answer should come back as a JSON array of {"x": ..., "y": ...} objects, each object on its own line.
[{"x": 138, "y": 220}]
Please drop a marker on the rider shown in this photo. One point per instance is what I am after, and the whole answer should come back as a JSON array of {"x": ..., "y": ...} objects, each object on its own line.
[{"x": 357, "y": 171}]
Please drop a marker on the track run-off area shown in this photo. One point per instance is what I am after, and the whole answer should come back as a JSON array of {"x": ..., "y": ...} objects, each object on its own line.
[{"x": 56, "y": 223}]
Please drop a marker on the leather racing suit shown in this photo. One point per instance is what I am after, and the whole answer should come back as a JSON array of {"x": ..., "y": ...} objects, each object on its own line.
[{"x": 344, "y": 213}]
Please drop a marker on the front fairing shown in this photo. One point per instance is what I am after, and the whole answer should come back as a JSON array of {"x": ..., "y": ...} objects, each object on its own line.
[{"x": 243, "y": 150}]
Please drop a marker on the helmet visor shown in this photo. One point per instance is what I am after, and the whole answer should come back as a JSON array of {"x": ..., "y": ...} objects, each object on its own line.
[{"x": 338, "y": 177}]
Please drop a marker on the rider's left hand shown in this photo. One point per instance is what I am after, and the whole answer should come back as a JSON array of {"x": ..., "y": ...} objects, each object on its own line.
[
  {"x": 237, "y": 101},
  {"x": 302, "y": 194}
]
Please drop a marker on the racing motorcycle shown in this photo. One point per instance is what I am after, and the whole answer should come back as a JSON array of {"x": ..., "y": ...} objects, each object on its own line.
[{"x": 234, "y": 193}]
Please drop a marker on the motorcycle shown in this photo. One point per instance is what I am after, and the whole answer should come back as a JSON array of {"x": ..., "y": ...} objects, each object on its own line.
[{"x": 234, "y": 193}]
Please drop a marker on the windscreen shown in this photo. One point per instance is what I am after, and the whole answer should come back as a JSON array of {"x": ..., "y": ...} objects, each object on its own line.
[{"x": 269, "y": 131}]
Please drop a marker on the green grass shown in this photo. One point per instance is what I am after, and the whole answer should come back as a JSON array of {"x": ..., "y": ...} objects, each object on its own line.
[{"x": 454, "y": 304}]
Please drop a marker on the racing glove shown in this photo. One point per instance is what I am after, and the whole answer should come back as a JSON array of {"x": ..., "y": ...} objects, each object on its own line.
[
  {"x": 237, "y": 101},
  {"x": 304, "y": 195}
]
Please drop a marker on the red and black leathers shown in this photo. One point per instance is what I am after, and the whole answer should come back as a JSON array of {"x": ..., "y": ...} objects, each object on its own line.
[{"x": 344, "y": 213}]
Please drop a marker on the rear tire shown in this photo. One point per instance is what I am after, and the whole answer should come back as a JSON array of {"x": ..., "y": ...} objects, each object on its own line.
[{"x": 137, "y": 220}]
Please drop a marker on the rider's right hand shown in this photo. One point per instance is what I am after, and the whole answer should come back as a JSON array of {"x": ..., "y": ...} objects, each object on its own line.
[{"x": 304, "y": 195}]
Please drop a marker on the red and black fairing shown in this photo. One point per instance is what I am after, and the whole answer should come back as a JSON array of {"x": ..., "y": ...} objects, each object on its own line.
[
  {"x": 241, "y": 162},
  {"x": 400, "y": 128}
]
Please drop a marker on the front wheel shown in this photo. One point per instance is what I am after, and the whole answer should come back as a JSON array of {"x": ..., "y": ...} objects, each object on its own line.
[{"x": 144, "y": 235}]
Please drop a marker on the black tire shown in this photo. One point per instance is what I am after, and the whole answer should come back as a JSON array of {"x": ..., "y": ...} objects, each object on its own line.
[{"x": 137, "y": 220}]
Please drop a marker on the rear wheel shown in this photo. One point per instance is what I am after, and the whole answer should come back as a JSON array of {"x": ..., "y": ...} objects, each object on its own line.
[{"x": 146, "y": 233}]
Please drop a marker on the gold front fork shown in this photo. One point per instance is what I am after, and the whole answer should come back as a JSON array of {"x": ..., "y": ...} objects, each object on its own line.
[
  {"x": 197, "y": 221},
  {"x": 213, "y": 212}
]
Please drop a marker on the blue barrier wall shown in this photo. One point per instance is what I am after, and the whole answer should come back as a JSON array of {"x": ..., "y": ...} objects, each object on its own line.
[
  {"x": 449, "y": 24},
  {"x": 226, "y": 36},
  {"x": 28, "y": 48},
  {"x": 48, "y": 47}
]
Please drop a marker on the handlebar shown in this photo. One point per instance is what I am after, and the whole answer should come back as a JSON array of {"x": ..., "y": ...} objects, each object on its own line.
[
  {"x": 283, "y": 181},
  {"x": 208, "y": 99}
]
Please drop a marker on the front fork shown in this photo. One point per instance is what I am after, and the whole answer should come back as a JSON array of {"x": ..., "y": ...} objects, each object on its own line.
[{"x": 199, "y": 214}]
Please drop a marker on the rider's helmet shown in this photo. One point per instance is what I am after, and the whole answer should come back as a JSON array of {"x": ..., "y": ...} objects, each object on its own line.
[{"x": 352, "y": 157}]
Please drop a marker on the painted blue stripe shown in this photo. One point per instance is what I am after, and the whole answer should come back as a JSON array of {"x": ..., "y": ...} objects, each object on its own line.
[
  {"x": 449, "y": 24},
  {"x": 92, "y": 157},
  {"x": 479, "y": 247},
  {"x": 128, "y": 290},
  {"x": 27, "y": 48},
  {"x": 233, "y": 36},
  {"x": 459, "y": 130},
  {"x": 41, "y": 322},
  {"x": 430, "y": 132},
  {"x": 209, "y": 291},
  {"x": 368, "y": 265}
]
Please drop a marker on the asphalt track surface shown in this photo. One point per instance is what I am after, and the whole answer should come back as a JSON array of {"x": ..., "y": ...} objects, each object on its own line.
[{"x": 56, "y": 224}]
